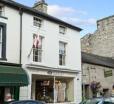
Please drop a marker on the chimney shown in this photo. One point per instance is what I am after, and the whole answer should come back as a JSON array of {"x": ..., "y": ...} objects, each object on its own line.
[{"x": 41, "y": 5}]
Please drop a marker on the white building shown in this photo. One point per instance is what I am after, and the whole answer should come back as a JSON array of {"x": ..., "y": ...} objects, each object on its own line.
[{"x": 54, "y": 67}]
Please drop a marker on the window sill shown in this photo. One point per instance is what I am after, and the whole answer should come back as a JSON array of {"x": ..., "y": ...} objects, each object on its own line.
[
  {"x": 62, "y": 33},
  {"x": 36, "y": 63},
  {"x": 63, "y": 66},
  {"x": 3, "y": 59},
  {"x": 3, "y": 17},
  {"x": 37, "y": 27}
]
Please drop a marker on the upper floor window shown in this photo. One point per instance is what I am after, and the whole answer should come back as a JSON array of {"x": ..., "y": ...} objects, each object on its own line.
[
  {"x": 62, "y": 53},
  {"x": 62, "y": 29},
  {"x": 37, "y": 21},
  {"x": 37, "y": 48},
  {"x": 1, "y": 10},
  {"x": 2, "y": 41}
]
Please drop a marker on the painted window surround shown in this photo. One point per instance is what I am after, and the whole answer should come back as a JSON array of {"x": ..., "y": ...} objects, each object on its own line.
[{"x": 3, "y": 53}]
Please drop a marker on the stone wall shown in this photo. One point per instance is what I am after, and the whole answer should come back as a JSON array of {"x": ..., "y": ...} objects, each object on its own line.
[
  {"x": 101, "y": 42},
  {"x": 96, "y": 73},
  {"x": 86, "y": 43}
]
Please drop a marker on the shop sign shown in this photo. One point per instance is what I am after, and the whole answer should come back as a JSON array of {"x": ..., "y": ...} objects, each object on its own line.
[
  {"x": 55, "y": 73},
  {"x": 108, "y": 73}
]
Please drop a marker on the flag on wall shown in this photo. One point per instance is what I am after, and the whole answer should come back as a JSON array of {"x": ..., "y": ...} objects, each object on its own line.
[{"x": 36, "y": 41}]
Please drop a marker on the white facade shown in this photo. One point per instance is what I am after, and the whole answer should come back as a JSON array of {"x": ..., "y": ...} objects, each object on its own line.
[{"x": 49, "y": 68}]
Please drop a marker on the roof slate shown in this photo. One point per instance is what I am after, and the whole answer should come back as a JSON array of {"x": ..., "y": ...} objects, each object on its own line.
[
  {"x": 97, "y": 60},
  {"x": 38, "y": 13}
]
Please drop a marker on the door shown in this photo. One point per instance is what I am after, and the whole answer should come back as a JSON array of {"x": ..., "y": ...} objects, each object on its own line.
[{"x": 1, "y": 95}]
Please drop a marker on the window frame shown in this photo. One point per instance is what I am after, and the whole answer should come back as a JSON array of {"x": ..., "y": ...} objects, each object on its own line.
[
  {"x": 37, "y": 21},
  {"x": 1, "y": 10},
  {"x": 62, "y": 29},
  {"x": 3, "y": 47},
  {"x": 1, "y": 35},
  {"x": 62, "y": 56},
  {"x": 37, "y": 51}
]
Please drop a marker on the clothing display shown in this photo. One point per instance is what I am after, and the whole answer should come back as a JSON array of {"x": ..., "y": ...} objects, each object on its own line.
[{"x": 60, "y": 92}]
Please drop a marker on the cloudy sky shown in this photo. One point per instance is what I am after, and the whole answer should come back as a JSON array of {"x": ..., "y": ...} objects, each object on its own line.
[{"x": 81, "y": 13}]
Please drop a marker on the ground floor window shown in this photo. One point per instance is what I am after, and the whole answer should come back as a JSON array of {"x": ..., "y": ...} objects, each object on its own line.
[
  {"x": 8, "y": 94},
  {"x": 60, "y": 91},
  {"x": 49, "y": 92},
  {"x": 44, "y": 91}
]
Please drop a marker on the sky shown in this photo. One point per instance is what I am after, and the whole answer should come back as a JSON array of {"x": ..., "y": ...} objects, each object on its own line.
[{"x": 81, "y": 13}]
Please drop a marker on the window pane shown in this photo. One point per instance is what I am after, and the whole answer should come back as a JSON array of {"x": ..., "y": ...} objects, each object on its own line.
[
  {"x": 63, "y": 59},
  {"x": 60, "y": 59},
  {"x": 37, "y": 51},
  {"x": 61, "y": 46},
  {"x": 62, "y": 29},
  {"x": 37, "y": 22},
  {"x": 62, "y": 53},
  {"x": 0, "y": 11},
  {"x": 0, "y": 42}
]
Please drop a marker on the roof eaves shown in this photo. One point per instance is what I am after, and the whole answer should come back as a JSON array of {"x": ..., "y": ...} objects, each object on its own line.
[
  {"x": 97, "y": 60},
  {"x": 36, "y": 12}
]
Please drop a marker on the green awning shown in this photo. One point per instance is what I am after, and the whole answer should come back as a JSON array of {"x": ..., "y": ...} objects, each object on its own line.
[{"x": 13, "y": 76}]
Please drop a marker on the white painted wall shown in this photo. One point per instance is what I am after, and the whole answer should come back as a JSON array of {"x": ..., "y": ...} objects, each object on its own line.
[
  {"x": 25, "y": 92},
  {"x": 12, "y": 34},
  {"x": 50, "y": 32},
  {"x": 78, "y": 89}
]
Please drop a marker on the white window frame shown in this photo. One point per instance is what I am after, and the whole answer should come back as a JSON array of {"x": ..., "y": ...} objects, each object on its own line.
[
  {"x": 37, "y": 21},
  {"x": 1, "y": 10},
  {"x": 62, "y": 29},
  {"x": 62, "y": 54},
  {"x": 37, "y": 51},
  {"x": 1, "y": 33}
]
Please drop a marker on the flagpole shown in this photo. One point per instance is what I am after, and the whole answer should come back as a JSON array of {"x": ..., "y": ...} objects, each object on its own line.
[
  {"x": 35, "y": 43},
  {"x": 54, "y": 89},
  {"x": 30, "y": 52}
]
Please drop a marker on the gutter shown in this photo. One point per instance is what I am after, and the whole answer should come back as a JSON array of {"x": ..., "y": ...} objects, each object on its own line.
[
  {"x": 34, "y": 12},
  {"x": 21, "y": 20}
]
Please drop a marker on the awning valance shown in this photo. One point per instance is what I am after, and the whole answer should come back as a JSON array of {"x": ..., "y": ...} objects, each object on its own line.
[{"x": 13, "y": 76}]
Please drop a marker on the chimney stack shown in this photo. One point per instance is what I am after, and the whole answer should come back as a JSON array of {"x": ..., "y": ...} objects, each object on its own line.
[{"x": 41, "y": 5}]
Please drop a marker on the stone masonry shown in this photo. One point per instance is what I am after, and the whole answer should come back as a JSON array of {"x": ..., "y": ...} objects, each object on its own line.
[
  {"x": 101, "y": 42},
  {"x": 96, "y": 73}
]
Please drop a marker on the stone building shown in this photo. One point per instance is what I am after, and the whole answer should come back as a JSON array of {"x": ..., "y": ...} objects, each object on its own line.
[
  {"x": 99, "y": 71},
  {"x": 101, "y": 45},
  {"x": 102, "y": 40}
]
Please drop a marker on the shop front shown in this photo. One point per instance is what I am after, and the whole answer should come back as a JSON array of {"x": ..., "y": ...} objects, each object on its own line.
[
  {"x": 52, "y": 89},
  {"x": 12, "y": 77}
]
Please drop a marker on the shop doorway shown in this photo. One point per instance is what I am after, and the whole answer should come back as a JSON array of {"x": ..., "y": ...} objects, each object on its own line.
[
  {"x": 44, "y": 90},
  {"x": 8, "y": 94},
  {"x": 50, "y": 89},
  {"x": 1, "y": 95}
]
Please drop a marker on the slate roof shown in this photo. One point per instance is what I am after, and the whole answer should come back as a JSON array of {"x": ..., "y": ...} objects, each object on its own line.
[
  {"x": 32, "y": 11},
  {"x": 97, "y": 60}
]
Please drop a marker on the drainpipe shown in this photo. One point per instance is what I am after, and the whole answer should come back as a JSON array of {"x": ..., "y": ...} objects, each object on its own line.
[
  {"x": 54, "y": 90},
  {"x": 20, "y": 54}
]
